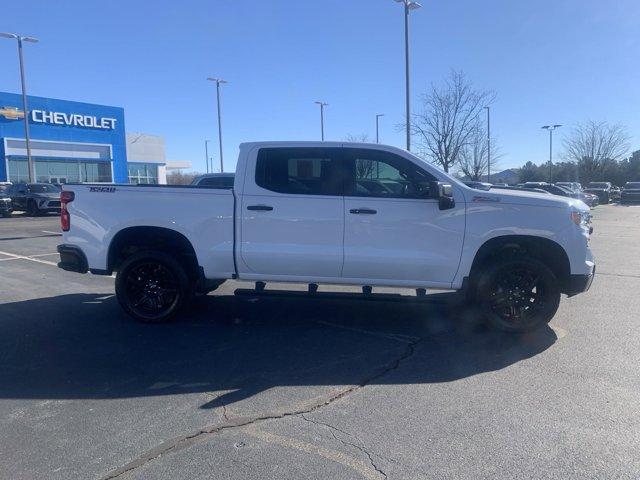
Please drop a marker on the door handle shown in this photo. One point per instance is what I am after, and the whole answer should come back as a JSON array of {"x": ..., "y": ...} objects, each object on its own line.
[
  {"x": 262, "y": 208},
  {"x": 363, "y": 211}
]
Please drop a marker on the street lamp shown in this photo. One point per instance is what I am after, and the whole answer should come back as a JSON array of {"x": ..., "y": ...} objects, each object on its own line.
[
  {"x": 377, "y": 127},
  {"x": 488, "y": 144},
  {"x": 322, "y": 105},
  {"x": 25, "y": 105},
  {"x": 551, "y": 128},
  {"x": 218, "y": 82},
  {"x": 408, "y": 5},
  {"x": 206, "y": 154}
]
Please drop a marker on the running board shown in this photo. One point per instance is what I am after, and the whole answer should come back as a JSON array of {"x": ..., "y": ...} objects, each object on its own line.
[{"x": 434, "y": 298}]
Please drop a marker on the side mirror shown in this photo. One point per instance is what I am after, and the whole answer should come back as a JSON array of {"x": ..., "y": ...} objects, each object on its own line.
[{"x": 444, "y": 193}]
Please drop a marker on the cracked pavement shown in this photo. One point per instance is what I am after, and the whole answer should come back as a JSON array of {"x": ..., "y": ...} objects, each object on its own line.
[{"x": 266, "y": 387}]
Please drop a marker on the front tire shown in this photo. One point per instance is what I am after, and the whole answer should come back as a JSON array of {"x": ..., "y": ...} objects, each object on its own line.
[
  {"x": 518, "y": 294},
  {"x": 152, "y": 287}
]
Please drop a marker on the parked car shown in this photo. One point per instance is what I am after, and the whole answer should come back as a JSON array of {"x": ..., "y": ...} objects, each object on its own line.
[
  {"x": 601, "y": 189},
  {"x": 6, "y": 206},
  {"x": 296, "y": 214},
  {"x": 478, "y": 185},
  {"x": 588, "y": 198},
  {"x": 630, "y": 192},
  {"x": 575, "y": 186},
  {"x": 214, "y": 180},
  {"x": 35, "y": 198},
  {"x": 615, "y": 193}
]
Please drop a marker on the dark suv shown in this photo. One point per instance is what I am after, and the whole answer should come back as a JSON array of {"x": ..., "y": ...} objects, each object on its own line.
[
  {"x": 601, "y": 189},
  {"x": 35, "y": 198},
  {"x": 5, "y": 201}
]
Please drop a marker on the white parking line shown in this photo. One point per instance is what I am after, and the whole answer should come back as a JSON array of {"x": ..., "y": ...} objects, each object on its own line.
[
  {"x": 22, "y": 257},
  {"x": 54, "y": 233}
]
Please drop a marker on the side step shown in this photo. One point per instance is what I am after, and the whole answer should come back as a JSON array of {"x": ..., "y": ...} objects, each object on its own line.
[{"x": 367, "y": 294}]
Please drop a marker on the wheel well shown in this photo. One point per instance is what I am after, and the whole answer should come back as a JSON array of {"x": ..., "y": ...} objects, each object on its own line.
[
  {"x": 547, "y": 251},
  {"x": 135, "y": 239}
]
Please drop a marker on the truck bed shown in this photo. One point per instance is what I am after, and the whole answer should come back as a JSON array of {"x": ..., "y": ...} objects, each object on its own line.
[{"x": 203, "y": 215}]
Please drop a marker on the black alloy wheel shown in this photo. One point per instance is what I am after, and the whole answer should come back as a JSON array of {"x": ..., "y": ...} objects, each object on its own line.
[
  {"x": 518, "y": 294},
  {"x": 151, "y": 286}
]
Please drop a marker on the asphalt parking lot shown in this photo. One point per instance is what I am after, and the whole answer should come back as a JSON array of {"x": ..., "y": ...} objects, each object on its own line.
[{"x": 272, "y": 387}]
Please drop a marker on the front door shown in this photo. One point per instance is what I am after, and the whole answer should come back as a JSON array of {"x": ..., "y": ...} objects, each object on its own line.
[
  {"x": 292, "y": 214},
  {"x": 393, "y": 233}
]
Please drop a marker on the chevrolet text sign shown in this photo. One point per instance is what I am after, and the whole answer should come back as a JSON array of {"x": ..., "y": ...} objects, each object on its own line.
[{"x": 72, "y": 119}]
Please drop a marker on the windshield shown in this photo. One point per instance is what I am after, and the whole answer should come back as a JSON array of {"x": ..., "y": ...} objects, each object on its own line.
[{"x": 44, "y": 188}]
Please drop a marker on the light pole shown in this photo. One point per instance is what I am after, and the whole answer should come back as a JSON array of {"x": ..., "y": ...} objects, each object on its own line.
[
  {"x": 551, "y": 128},
  {"x": 322, "y": 105},
  {"x": 206, "y": 154},
  {"x": 408, "y": 5},
  {"x": 488, "y": 144},
  {"x": 25, "y": 105},
  {"x": 378, "y": 127},
  {"x": 218, "y": 82}
]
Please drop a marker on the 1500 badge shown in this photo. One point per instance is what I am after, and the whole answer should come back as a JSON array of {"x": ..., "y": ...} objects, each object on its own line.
[{"x": 102, "y": 189}]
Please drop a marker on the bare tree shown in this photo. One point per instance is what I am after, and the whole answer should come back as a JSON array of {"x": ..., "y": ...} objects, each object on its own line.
[
  {"x": 473, "y": 159},
  {"x": 358, "y": 138},
  {"x": 448, "y": 119},
  {"x": 364, "y": 168},
  {"x": 594, "y": 146},
  {"x": 177, "y": 177}
]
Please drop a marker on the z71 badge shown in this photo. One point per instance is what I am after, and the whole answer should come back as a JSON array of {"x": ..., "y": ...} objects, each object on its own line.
[{"x": 102, "y": 189}]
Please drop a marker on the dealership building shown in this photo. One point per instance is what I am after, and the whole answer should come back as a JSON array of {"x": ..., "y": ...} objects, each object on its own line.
[{"x": 75, "y": 142}]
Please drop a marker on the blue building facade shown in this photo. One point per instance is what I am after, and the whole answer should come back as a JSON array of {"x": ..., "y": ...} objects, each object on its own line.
[{"x": 70, "y": 141}]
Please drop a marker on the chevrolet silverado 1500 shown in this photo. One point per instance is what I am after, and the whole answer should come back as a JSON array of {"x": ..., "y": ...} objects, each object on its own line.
[{"x": 331, "y": 213}]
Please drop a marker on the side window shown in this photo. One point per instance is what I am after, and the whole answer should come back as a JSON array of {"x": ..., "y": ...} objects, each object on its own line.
[
  {"x": 387, "y": 175},
  {"x": 301, "y": 171}
]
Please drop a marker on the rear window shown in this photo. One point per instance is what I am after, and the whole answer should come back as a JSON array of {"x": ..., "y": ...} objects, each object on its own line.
[
  {"x": 216, "y": 182},
  {"x": 44, "y": 188},
  {"x": 301, "y": 171}
]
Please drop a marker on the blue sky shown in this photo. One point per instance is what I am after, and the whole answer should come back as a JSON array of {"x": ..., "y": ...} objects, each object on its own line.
[{"x": 549, "y": 61}]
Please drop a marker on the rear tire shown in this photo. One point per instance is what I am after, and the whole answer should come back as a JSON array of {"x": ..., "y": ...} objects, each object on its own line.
[
  {"x": 152, "y": 287},
  {"x": 518, "y": 294},
  {"x": 32, "y": 209}
]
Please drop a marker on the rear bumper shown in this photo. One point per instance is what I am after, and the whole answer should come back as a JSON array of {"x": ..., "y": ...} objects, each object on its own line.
[
  {"x": 72, "y": 259},
  {"x": 630, "y": 197},
  {"x": 579, "y": 283}
]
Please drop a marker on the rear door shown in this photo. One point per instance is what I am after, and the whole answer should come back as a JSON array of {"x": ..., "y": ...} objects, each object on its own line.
[
  {"x": 292, "y": 213},
  {"x": 393, "y": 232}
]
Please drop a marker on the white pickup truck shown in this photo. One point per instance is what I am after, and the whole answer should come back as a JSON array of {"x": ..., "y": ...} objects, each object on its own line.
[{"x": 331, "y": 213}]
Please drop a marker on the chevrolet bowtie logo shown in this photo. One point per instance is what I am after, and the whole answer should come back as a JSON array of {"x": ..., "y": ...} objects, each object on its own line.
[{"x": 11, "y": 113}]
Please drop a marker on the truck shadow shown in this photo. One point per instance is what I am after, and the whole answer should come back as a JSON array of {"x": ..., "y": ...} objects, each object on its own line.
[{"x": 83, "y": 346}]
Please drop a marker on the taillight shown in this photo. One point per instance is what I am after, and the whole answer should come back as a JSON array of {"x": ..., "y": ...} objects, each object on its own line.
[{"x": 65, "y": 217}]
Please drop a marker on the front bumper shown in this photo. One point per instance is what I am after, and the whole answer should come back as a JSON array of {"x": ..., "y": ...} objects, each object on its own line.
[
  {"x": 579, "y": 283},
  {"x": 5, "y": 207},
  {"x": 72, "y": 259}
]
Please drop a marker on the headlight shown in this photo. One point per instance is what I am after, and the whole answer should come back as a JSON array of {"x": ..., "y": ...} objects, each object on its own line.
[{"x": 582, "y": 219}]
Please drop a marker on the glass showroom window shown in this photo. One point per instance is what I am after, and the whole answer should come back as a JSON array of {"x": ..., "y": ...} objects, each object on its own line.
[
  {"x": 61, "y": 171},
  {"x": 143, "y": 173}
]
